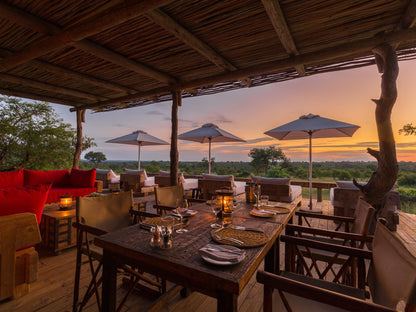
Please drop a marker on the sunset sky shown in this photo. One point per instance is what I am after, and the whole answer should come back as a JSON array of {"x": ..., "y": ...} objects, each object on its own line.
[{"x": 248, "y": 113}]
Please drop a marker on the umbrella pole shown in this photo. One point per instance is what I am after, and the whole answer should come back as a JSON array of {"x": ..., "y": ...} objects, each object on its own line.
[
  {"x": 140, "y": 145},
  {"x": 310, "y": 208},
  {"x": 310, "y": 170},
  {"x": 209, "y": 156}
]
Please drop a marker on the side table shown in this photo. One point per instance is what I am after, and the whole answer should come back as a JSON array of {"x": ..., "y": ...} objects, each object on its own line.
[{"x": 56, "y": 228}]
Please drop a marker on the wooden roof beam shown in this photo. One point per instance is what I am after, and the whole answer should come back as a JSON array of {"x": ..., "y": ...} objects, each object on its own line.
[
  {"x": 180, "y": 32},
  {"x": 67, "y": 73},
  {"x": 49, "y": 87},
  {"x": 357, "y": 48},
  {"x": 278, "y": 21},
  {"x": 408, "y": 19},
  {"x": 78, "y": 32},
  {"x": 36, "y": 97},
  {"x": 37, "y": 24}
]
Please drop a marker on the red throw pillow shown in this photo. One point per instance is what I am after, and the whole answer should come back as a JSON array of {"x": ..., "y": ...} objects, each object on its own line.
[
  {"x": 24, "y": 199},
  {"x": 11, "y": 178},
  {"x": 58, "y": 178},
  {"x": 82, "y": 178}
]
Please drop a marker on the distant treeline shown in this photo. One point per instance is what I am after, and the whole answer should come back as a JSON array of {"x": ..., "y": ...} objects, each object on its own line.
[{"x": 322, "y": 171}]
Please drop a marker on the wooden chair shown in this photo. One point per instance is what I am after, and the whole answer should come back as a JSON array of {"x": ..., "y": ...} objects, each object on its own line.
[
  {"x": 391, "y": 280},
  {"x": 97, "y": 216},
  {"x": 325, "y": 263},
  {"x": 168, "y": 197}
]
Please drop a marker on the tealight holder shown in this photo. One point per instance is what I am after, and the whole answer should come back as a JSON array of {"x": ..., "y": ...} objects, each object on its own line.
[
  {"x": 65, "y": 202},
  {"x": 225, "y": 201}
]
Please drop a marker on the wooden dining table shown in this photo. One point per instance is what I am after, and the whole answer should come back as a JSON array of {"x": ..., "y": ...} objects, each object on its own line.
[{"x": 183, "y": 265}]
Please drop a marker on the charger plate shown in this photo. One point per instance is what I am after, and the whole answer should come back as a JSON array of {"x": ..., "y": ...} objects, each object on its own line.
[{"x": 249, "y": 238}]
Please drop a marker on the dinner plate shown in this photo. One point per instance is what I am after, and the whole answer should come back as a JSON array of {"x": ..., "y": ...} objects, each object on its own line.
[
  {"x": 262, "y": 214},
  {"x": 213, "y": 253}
]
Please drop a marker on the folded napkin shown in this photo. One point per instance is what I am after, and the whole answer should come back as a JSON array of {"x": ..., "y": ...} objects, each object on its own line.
[{"x": 222, "y": 253}]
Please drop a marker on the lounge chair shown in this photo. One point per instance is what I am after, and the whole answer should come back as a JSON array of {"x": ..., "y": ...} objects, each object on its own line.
[
  {"x": 211, "y": 182},
  {"x": 138, "y": 181},
  {"x": 279, "y": 189}
]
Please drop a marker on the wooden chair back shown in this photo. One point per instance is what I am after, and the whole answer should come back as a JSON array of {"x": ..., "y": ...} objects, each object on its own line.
[
  {"x": 363, "y": 217},
  {"x": 169, "y": 195},
  {"x": 392, "y": 275},
  {"x": 107, "y": 213}
]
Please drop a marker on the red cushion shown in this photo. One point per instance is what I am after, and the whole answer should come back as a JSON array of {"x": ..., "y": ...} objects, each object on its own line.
[
  {"x": 11, "y": 178},
  {"x": 56, "y": 177},
  {"x": 54, "y": 193},
  {"x": 24, "y": 199},
  {"x": 82, "y": 178}
]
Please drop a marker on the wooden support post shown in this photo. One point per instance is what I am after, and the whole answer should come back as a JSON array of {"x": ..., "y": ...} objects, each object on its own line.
[
  {"x": 174, "y": 155},
  {"x": 78, "y": 147}
]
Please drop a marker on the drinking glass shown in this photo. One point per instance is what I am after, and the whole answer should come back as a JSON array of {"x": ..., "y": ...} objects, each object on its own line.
[
  {"x": 181, "y": 211},
  {"x": 215, "y": 210},
  {"x": 264, "y": 200}
]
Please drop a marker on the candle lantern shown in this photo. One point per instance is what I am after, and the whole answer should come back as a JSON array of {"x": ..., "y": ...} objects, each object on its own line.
[
  {"x": 65, "y": 202},
  {"x": 225, "y": 201}
]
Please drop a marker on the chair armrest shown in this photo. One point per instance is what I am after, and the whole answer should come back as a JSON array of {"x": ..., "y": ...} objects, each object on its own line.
[
  {"x": 323, "y": 216},
  {"x": 344, "y": 250},
  {"x": 272, "y": 281},
  {"x": 329, "y": 233},
  {"x": 89, "y": 229}
]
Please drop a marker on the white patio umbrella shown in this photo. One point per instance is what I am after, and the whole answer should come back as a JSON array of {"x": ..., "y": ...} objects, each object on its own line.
[
  {"x": 209, "y": 133},
  {"x": 308, "y": 126},
  {"x": 139, "y": 138}
]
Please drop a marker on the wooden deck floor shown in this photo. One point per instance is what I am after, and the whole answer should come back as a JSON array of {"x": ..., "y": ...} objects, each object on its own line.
[{"x": 53, "y": 290}]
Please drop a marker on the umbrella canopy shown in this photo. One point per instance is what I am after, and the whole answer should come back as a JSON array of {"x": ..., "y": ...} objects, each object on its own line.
[
  {"x": 308, "y": 126},
  {"x": 209, "y": 133},
  {"x": 139, "y": 138}
]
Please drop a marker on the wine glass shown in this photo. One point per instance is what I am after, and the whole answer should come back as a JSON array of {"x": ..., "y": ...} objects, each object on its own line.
[
  {"x": 181, "y": 212},
  {"x": 215, "y": 210}
]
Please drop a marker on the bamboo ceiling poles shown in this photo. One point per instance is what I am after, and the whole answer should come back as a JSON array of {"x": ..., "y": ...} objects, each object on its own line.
[
  {"x": 174, "y": 155},
  {"x": 383, "y": 179},
  {"x": 78, "y": 146}
]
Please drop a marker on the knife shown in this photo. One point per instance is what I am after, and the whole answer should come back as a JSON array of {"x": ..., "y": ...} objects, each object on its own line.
[{"x": 242, "y": 228}]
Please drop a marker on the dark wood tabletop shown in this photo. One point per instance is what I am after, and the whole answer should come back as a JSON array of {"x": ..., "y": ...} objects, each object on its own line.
[{"x": 182, "y": 264}]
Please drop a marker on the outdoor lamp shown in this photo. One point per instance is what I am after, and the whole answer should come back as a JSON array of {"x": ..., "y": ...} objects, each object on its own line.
[
  {"x": 65, "y": 202},
  {"x": 225, "y": 202}
]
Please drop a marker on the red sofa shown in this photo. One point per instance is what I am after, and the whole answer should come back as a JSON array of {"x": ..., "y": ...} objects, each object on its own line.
[{"x": 29, "y": 190}]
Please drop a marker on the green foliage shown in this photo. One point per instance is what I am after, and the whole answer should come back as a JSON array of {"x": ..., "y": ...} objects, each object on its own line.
[
  {"x": 264, "y": 158},
  {"x": 408, "y": 129},
  {"x": 277, "y": 172},
  {"x": 34, "y": 137},
  {"x": 95, "y": 157}
]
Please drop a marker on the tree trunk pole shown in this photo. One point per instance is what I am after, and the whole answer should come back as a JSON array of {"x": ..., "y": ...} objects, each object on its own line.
[
  {"x": 78, "y": 146},
  {"x": 383, "y": 179},
  {"x": 174, "y": 155}
]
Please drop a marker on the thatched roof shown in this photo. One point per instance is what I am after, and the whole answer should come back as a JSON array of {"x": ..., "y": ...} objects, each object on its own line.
[{"x": 115, "y": 54}]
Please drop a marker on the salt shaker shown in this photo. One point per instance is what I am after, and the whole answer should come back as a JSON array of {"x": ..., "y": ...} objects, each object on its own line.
[{"x": 155, "y": 240}]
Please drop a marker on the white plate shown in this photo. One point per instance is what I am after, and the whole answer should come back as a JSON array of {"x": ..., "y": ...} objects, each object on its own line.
[
  {"x": 216, "y": 261},
  {"x": 263, "y": 214}
]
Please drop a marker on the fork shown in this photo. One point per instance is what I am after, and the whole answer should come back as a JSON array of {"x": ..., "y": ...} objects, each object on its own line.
[{"x": 234, "y": 240}]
